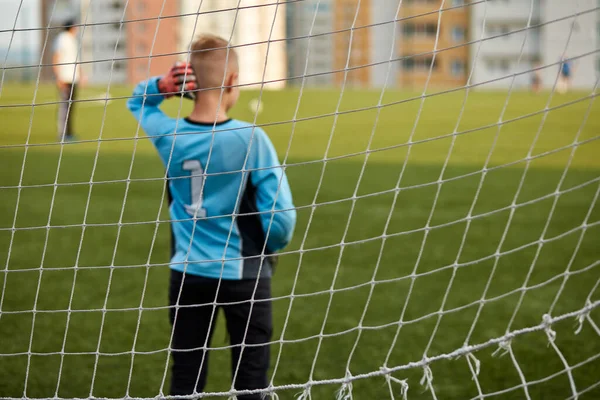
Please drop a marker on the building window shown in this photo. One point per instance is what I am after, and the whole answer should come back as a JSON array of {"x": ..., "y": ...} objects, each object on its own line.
[
  {"x": 497, "y": 30},
  {"x": 458, "y": 33},
  {"x": 458, "y": 68},
  {"x": 422, "y": 30},
  {"x": 501, "y": 65},
  {"x": 419, "y": 63}
]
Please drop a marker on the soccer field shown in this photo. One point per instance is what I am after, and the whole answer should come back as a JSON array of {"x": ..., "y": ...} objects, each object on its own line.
[{"x": 465, "y": 246}]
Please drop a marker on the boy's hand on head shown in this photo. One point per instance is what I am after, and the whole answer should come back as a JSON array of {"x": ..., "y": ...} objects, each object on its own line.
[{"x": 173, "y": 82}]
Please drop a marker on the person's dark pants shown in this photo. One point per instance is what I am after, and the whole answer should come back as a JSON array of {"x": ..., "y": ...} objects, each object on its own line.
[
  {"x": 66, "y": 110},
  {"x": 192, "y": 328}
]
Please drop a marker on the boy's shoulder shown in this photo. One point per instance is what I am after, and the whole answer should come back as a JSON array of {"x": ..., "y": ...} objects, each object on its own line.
[{"x": 247, "y": 131}]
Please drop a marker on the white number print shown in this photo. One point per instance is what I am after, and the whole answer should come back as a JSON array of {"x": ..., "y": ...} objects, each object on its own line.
[{"x": 196, "y": 180}]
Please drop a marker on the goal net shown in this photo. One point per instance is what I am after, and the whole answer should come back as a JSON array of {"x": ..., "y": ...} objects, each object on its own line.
[{"x": 442, "y": 154}]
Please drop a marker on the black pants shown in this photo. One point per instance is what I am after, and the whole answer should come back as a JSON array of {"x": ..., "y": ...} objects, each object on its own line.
[
  {"x": 193, "y": 328},
  {"x": 66, "y": 111}
]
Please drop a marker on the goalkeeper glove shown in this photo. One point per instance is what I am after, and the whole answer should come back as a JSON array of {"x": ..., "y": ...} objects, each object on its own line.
[{"x": 173, "y": 83}]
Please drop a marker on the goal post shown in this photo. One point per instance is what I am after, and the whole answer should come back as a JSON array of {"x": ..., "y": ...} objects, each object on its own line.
[{"x": 442, "y": 156}]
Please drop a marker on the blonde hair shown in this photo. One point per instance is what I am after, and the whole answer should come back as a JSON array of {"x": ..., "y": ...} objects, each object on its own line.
[{"x": 212, "y": 60}]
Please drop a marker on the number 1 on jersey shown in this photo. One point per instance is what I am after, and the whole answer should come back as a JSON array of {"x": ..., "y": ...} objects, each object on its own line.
[{"x": 196, "y": 181}]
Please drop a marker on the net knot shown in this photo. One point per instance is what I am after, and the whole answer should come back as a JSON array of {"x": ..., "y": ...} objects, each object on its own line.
[
  {"x": 503, "y": 348},
  {"x": 547, "y": 321},
  {"x": 345, "y": 392},
  {"x": 471, "y": 358},
  {"x": 269, "y": 394},
  {"x": 304, "y": 395},
  {"x": 427, "y": 377},
  {"x": 582, "y": 317},
  {"x": 402, "y": 382}
]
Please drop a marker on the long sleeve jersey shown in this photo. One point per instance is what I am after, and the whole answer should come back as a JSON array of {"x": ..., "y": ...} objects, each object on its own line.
[{"x": 230, "y": 200}]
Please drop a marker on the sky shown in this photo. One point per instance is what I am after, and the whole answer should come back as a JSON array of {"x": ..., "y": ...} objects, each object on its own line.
[{"x": 25, "y": 45}]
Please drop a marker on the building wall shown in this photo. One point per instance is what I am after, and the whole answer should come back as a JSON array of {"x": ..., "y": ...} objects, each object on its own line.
[
  {"x": 151, "y": 44},
  {"x": 104, "y": 41},
  {"x": 316, "y": 50},
  {"x": 385, "y": 35},
  {"x": 352, "y": 42},
  {"x": 421, "y": 20},
  {"x": 309, "y": 44}
]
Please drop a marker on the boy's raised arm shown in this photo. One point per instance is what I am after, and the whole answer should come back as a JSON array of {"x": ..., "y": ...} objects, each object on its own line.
[
  {"x": 148, "y": 95},
  {"x": 144, "y": 105}
]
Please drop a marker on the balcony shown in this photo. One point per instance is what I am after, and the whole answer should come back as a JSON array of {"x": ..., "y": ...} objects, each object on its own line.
[
  {"x": 509, "y": 11},
  {"x": 506, "y": 44}
]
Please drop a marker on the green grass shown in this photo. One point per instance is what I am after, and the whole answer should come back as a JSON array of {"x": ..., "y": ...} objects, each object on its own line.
[{"x": 127, "y": 177}]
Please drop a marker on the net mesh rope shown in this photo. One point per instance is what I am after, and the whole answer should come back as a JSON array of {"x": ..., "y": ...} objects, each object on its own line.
[{"x": 389, "y": 373}]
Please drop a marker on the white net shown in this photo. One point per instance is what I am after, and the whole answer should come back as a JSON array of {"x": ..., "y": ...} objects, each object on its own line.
[{"x": 443, "y": 157}]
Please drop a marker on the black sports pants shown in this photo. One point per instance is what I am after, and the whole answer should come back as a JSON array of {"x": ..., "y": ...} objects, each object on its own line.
[{"x": 192, "y": 327}]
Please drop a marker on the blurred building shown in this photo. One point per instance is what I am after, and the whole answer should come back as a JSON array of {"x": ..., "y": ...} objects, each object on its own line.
[
  {"x": 442, "y": 42},
  {"x": 366, "y": 43},
  {"x": 151, "y": 37},
  {"x": 104, "y": 40},
  {"x": 506, "y": 46},
  {"x": 422, "y": 25},
  {"x": 332, "y": 41},
  {"x": 309, "y": 43},
  {"x": 378, "y": 42}
]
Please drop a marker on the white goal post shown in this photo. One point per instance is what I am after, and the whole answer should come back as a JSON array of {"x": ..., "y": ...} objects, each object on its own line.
[{"x": 443, "y": 159}]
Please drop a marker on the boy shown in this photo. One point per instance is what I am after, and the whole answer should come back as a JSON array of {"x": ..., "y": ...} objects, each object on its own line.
[{"x": 225, "y": 222}]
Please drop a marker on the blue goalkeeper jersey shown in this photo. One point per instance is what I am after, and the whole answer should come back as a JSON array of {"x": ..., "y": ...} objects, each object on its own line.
[{"x": 230, "y": 200}]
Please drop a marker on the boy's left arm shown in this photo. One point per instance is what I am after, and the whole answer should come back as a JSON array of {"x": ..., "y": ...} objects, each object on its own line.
[{"x": 273, "y": 194}]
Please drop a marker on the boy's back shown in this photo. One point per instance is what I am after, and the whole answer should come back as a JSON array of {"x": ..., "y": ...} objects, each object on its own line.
[{"x": 215, "y": 172}]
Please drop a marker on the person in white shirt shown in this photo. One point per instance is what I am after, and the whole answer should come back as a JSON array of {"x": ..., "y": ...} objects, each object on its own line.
[{"x": 67, "y": 75}]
